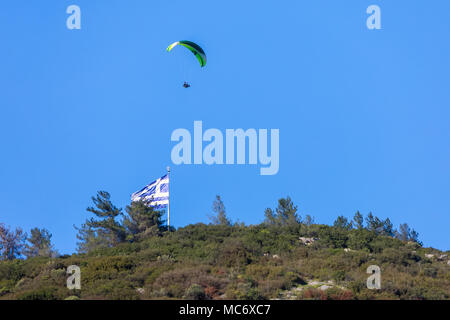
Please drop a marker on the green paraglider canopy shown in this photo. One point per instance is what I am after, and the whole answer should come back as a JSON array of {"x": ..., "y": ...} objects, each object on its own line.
[{"x": 193, "y": 47}]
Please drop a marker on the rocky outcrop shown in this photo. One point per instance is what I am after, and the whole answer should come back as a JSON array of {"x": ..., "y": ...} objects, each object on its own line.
[
  {"x": 443, "y": 257},
  {"x": 307, "y": 241},
  {"x": 294, "y": 292},
  {"x": 140, "y": 290}
]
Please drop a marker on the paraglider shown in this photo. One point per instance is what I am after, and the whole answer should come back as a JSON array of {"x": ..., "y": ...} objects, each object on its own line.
[{"x": 195, "y": 49}]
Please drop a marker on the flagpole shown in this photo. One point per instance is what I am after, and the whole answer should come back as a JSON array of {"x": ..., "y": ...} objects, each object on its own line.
[{"x": 168, "y": 204}]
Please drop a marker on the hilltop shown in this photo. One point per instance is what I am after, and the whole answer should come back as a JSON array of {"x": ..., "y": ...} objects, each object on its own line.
[
  {"x": 237, "y": 262},
  {"x": 284, "y": 257}
]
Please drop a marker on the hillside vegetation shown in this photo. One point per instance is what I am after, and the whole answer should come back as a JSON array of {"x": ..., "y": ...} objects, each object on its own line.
[{"x": 285, "y": 257}]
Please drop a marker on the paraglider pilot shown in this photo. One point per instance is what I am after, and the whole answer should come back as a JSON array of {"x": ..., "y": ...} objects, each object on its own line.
[{"x": 195, "y": 49}]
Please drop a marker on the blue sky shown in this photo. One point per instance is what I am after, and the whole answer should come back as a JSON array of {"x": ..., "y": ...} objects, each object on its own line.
[{"x": 363, "y": 115}]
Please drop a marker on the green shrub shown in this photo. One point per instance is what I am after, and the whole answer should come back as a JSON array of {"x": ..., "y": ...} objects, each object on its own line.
[
  {"x": 195, "y": 292},
  {"x": 50, "y": 293}
]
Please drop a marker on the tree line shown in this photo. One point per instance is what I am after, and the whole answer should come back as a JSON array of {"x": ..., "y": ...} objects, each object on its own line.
[
  {"x": 286, "y": 214},
  {"x": 16, "y": 243},
  {"x": 110, "y": 226}
]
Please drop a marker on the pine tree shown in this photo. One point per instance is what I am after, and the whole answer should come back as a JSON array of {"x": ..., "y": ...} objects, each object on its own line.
[
  {"x": 39, "y": 244},
  {"x": 104, "y": 231},
  {"x": 270, "y": 218},
  {"x": 342, "y": 223},
  {"x": 414, "y": 236},
  {"x": 405, "y": 233},
  {"x": 285, "y": 214},
  {"x": 220, "y": 216},
  {"x": 374, "y": 224},
  {"x": 358, "y": 220},
  {"x": 90, "y": 239},
  {"x": 142, "y": 221},
  {"x": 388, "y": 228},
  {"x": 308, "y": 220},
  {"x": 11, "y": 242}
]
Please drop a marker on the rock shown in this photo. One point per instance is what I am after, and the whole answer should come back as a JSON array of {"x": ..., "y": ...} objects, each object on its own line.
[
  {"x": 140, "y": 290},
  {"x": 429, "y": 256},
  {"x": 325, "y": 287},
  {"x": 165, "y": 258},
  {"x": 275, "y": 256},
  {"x": 442, "y": 257},
  {"x": 307, "y": 241}
]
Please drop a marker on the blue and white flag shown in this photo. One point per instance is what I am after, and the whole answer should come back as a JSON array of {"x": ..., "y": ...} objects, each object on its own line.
[{"x": 156, "y": 194}]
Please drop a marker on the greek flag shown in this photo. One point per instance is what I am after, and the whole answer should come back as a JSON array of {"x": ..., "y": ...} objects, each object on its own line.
[{"x": 156, "y": 193}]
